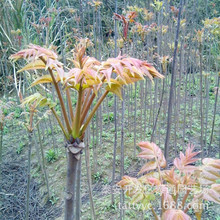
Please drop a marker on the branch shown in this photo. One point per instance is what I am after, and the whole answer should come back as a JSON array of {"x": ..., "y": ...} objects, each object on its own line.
[
  {"x": 185, "y": 197},
  {"x": 60, "y": 123},
  {"x": 86, "y": 107},
  {"x": 93, "y": 112},
  {"x": 76, "y": 121},
  {"x": 69, "y": 104},
  {"x": 60, "y": 97},
  {"x": 154, "y": 213}
]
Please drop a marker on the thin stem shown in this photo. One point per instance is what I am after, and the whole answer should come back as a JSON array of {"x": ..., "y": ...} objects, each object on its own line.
[
  {"x": 32, "y": 109},
  {"x": 28, "y": 176},
  {"x": 59, "y": 97},
  {"x": 76, "y": 122},
  {"x": 93, "y": 112},
  {"x": 187, "y": 208},
  {"x": 176, "y": 197},
  {"x": 70, "y": 104},
  {"x": 86, "y": 109},
  {"x": 60, "y": 123},
  {"x": 1, "y": 142},
  {"x": 154, "y": 213},
  {"x": 115, "y": 150},
  {"x": 214, "y": 113},
  {"x": 201, "y": 96},
  {"x": 162, "y": 204},
  {"x": 83, "y": 98},
  {"x": 158, "y": 112},
  {"x": 170, "y": 106},
  {"x": 43, "y": 161},
  {"x": 85, "y": 102},
  {"x": 185, "y": 197},
  {"x": 89, "y": 179}
]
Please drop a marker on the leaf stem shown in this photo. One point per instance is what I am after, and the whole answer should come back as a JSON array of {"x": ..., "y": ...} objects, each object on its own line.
[
  {"x": 87, "y": 106},
  {"x": 93, "y": 112},
  {"x": 76, "y": 121},
  {"x": 86, "y": 109},
  {"x": 85, "y": 101},
  {"x": 59, "y": 96},
  {"x": 185, "y": 197},
  {"x": 60, "y": 123},
  {"x": 154, "y": 213},
  {"x": 69, "y": 104}
]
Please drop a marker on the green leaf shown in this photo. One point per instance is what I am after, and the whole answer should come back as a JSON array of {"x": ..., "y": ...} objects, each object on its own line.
[
  {"x": 37, "y": 64},
  {"x": 116, "y": 89},
  {"x": 42, "y": 79},
  {"x": 40, "y": 101}
]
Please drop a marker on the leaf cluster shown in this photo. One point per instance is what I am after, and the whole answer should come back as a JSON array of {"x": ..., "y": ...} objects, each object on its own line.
[{"x": 182, "y": 187}]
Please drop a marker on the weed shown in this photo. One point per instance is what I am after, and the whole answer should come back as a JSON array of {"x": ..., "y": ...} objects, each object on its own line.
[
  {"x": 110, "y": 103},
  {"x": 5, "y": 130},
  {"x": 17, "y": 112},
  {"x": 117, "y": 160},
  {"x": 105, "y": 181},
  {"x": 108, "y": 117},
  {"x": 52, "y": 155},
  {"x": 97, "y": 176},
  {"x": 127, "y": 162},
  {"x": 49, "y": 131},
  {"x": 110, "y": 95},
  {"x": 112, "y": 130},
  {"x": 108, "y": 156},
  {"x": 54, "y": 198},
  {"x": 20, "y": 148}
]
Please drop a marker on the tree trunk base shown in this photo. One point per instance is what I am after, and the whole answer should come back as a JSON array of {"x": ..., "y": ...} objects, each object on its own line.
[{"x": 70, "y": 187}]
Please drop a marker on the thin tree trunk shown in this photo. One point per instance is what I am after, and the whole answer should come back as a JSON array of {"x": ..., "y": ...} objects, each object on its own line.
[
  {"x": 155, "y": 99},
  {"x": 115, "y": 149},
  {"x": 172, "y": 85},
  {"x": 1, "y": 143},
  {"x": 93, "y": 144},
  {"x": 43, "y": 161},
  {"x": 151, "y": 103},
  {"x": 207, "y": 109},
  {"x": 115, "y": 114},
  {"x": 145, "y": 108},
  {"x": 122, "y": 155},
  {"x": 28, "y": 175},
  {"x": 184, "y": 111},
  {"x": 207, "y": 100},
  {"x": 89, "y": 179},
  {"x": 38, "y": 153},
  {"x": 214, "y": 113},
  {"x": 101, "y": 124},
  {"x": 96, "y": 142},
  {"x": 72, "y": 163},
  {"x": 175, "y": 116},
  {"x": 158, "y": 112},
  {"x": 135, "y": 118},
  {"x": 78, "y": 197},
  {"x": 82, "y": 17},
  {"x": 201, "y": 98},
  {"x": 52, "y": 132}
]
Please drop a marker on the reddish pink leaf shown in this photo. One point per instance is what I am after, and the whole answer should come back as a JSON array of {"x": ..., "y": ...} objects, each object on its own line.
[{"x": 175, "y": 214}]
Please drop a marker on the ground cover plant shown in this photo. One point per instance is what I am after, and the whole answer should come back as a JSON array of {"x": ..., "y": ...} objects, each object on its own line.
[{"x": 72, "y": 91}]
